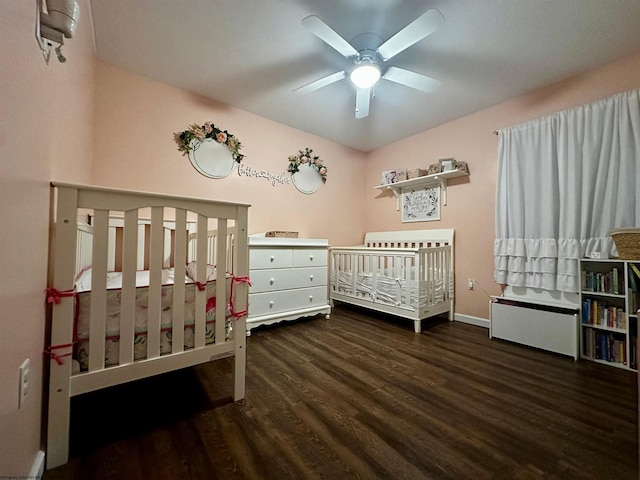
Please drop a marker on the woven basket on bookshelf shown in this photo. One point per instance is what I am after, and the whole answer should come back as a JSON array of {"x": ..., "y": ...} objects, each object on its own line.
[{"x": 627, "y": 242}]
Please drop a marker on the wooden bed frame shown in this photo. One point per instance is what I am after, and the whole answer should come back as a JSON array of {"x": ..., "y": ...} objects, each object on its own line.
[
  {"x": 69, "y": 257},
  {"x": 405, "y": 273}
]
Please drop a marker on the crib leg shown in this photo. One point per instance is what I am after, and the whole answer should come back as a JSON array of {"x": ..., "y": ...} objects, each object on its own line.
[
  {"x": 59, "y": 415},
  {"x": 417, "y": 326},
  {"x": 239, "y": 365}
]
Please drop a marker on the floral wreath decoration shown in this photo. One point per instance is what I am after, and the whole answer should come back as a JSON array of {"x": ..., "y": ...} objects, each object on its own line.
[
  {"x": 306, "y": 156},
  {"x": 208, "y": 130}
]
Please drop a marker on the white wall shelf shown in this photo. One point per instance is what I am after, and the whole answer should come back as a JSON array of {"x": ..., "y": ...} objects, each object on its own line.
[{"x": 435, "y": 179}]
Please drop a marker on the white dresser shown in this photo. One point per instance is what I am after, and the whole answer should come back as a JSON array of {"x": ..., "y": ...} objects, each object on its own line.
[{"x": 288, "y": 279}]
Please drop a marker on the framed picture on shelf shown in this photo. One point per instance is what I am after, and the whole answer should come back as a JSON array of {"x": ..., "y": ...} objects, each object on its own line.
[
  {"x": 463, "y": 167},
  {"x": 447, "y": 164},
  {"x": 388, "y": 177},
  {"x": 420, "y": 204},
  {"x": 433, "y": 169}
]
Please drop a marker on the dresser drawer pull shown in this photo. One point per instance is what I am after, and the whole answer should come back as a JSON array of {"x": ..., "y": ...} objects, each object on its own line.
[
  {"x": 272, "y": 281},
  {"x": 311, "y": 278},
  {"x": 311, "y": 298},
  {"x": 272, "y": 258},
  {"x": 311, "y": 258},
  {"x": 271, "y": 303}
]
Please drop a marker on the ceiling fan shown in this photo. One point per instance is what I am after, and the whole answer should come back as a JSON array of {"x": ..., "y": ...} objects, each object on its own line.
[{"x": 370, "y": 57}]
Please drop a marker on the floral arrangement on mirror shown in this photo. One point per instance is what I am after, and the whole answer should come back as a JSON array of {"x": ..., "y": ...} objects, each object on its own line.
[
  {"x": 306, "y": 157},
  {"x": 201, "y": 132}
]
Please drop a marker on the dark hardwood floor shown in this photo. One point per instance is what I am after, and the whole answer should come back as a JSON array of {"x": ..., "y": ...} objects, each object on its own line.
[{"x": 361, "y": 396}]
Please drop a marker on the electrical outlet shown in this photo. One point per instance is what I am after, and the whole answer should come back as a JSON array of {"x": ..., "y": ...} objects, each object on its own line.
[
  {"x": 25, "y": 379},
  {"x": 471, "y": 284}
]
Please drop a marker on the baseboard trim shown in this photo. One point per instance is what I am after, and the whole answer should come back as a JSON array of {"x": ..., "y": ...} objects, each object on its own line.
[
  {"x": 37, "y": 470},
  {"x": 477, "y": 321}
]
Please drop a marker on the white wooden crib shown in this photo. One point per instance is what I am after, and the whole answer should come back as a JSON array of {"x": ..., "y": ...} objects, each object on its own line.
[
  {"x": 405, "y": 273},
  {"x": 166, "y": 315}
]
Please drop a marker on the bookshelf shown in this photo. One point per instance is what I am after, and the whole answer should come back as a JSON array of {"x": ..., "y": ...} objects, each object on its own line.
[{"x": 609, "y": 303}]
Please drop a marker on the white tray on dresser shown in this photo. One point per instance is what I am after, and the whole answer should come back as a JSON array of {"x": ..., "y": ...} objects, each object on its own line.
[{"x": 289, "y": 279}]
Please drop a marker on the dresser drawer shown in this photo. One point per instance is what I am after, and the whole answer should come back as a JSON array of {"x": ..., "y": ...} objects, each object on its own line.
[
  {"x": 270, "y": 258},
  {"x": 309, "y": 257},
  {"x": 287, "y": 278},
  {"x": 283, "y": 301}
]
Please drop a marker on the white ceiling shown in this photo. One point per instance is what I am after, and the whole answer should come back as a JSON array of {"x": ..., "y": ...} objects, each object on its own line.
[{"x": 252, "y": 54}]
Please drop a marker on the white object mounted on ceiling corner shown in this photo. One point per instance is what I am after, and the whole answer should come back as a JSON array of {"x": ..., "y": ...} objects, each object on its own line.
[{"x": 55, "y": 22}]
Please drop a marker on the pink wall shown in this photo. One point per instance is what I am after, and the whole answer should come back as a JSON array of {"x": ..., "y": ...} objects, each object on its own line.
[
  {"x": 45, "y": 133},
  {"x": 47, "y": 119},
  {"x": 471, "y": 200},
  {"x": 135, "y": 118}
]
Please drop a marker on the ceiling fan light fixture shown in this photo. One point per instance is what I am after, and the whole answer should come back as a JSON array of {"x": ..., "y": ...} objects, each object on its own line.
[{"x": 365, "y": 76}]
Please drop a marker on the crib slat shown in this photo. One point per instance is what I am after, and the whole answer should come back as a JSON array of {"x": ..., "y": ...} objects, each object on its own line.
[
  {"x": 408, "y": 281},
  {"x": 98, "y": 309},
  {"x": 211, "y": 247},
  {"x": 154, "y": 312},
  {"x": 431, "y": 259},
  {"x": 354, "y": 278},
  {"x": 396, "y": 265},
  {"x": 84, "y": 248},
  {"x": 201, "y": 276},
  {"x": 240, "y": 264},
  {"x": 111, "y": 262},
  {"x": 128, "y": 302},
  {"x": 180, "y": 251},
  {"x": 142, "y": 263},
  {"x": 221, "y": 282}
]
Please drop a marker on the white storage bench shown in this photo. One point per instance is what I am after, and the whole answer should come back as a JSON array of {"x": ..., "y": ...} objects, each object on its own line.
[{"x": 548, "y": 327}]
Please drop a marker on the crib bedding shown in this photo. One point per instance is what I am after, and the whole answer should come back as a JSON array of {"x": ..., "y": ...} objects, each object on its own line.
[
  {"x": 113, "y": 302},
  {"x": 387, "y": 288},
  {"x": 114, "y": 279}
]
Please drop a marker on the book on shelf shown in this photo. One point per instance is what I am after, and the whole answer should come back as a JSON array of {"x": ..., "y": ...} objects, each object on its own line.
[
  {"x": 635, "y": 269},
  {"x": 602, "y": 282},
  {"x": 606, "y": 346},
  {"x": 595, "y": 312}
]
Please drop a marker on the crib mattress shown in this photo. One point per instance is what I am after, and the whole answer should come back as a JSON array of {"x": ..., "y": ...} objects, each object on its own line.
[{"x": 113, "y": 302}]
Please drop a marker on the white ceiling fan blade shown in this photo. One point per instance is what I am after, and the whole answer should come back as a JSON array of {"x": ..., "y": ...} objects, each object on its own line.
[
  {"x": 323, "y": 82},
  {"x": 325, "y": 33},
  {"x": 363, "y": 96},
  {"x": 412, "y": 79},
  {"x": 424, "y": 25}
]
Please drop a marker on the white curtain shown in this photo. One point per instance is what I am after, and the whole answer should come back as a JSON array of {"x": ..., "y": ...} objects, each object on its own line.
[{"x": 564, "y": 181}]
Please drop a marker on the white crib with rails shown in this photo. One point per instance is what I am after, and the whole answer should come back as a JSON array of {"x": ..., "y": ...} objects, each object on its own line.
[
  {"x": 125, "y": 303},
  {"x": 404, "y": 273}
]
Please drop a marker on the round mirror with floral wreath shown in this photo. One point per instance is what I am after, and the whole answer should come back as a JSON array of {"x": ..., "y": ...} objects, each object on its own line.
[
  {"x": 308, "y": 172},
  {"x": 211, "y": 151}
]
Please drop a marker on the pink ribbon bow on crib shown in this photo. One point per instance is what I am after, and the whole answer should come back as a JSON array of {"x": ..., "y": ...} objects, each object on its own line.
[
  {"x": 54, "y": 295},
  {"x": 235, "y": 280},
  {"x": 54, "y": 356}
]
